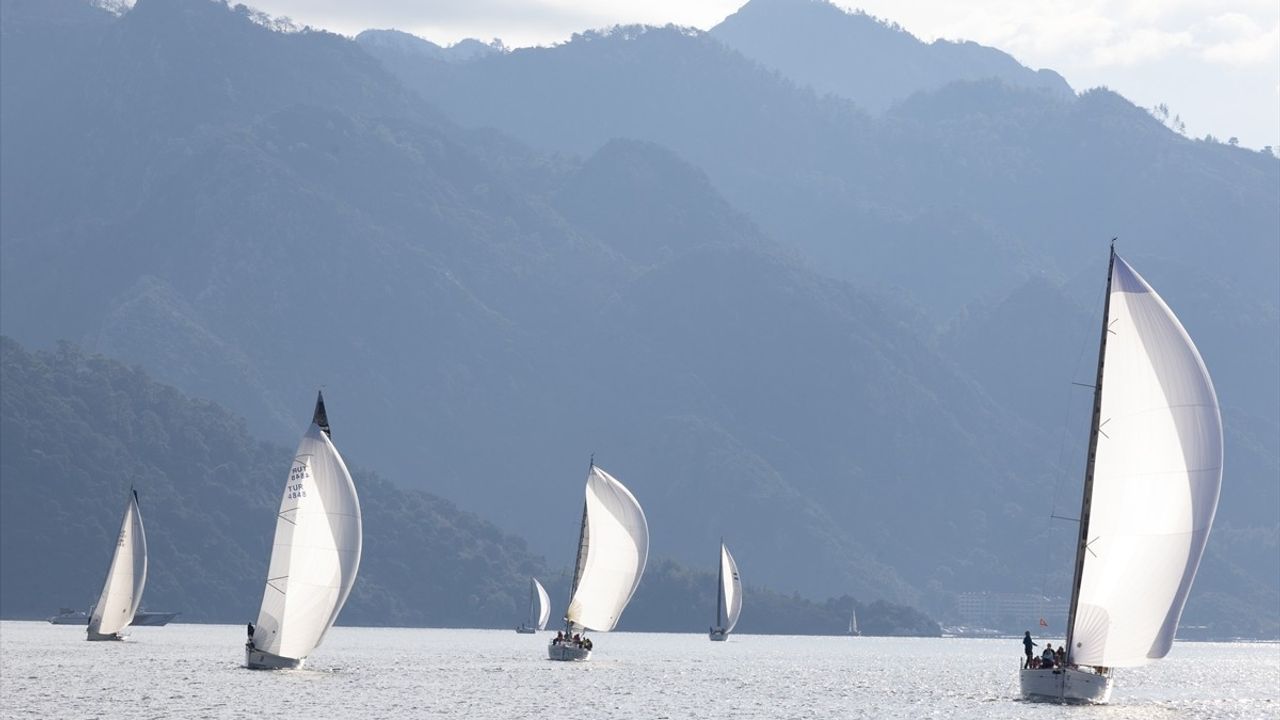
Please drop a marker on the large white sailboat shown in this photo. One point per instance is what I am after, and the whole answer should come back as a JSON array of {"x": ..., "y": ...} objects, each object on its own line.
[
  {"x": 539, "y": 609},
  {"x": 1151, "y": 486},
  {"x": 314, "y": 557},
  {"x": 728, "y": 596},
  {"x": 613, "y": 546},
  {"x": 126, "y": 578}
]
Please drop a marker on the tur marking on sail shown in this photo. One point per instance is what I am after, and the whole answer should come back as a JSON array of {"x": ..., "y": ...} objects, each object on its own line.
[
  {"x": 1150, "y": 493},
  {"x": 314, "y": 557}
]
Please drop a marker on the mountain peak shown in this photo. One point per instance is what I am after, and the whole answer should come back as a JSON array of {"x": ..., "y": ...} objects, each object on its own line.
[{"x": 872, "y": 61}]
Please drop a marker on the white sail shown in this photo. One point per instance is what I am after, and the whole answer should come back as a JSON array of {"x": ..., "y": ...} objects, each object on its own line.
[
  {"x": 731, "y": 586},
  {"x": 616, "y": 542},
  {"x": 316, "y": 551},
  {"x": 1157, "y": 474},
  {"x": 540, "y": 613},
  {"x": 122, "y": 590}
]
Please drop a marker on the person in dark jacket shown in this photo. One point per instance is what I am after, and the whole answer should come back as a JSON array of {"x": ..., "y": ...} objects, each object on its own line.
[{"x": 1027, "y": 644}]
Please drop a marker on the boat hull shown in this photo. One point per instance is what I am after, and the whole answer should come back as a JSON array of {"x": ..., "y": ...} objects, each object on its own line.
[
  {"x": 70, "y": 619},
  {"x": 525, "y": 630},
  {"x": 1065, "y": 685},
  {"x": 153, "y": 619},
  {"x": 718, "y": 635},
  {"x": 567, "y": 652},
  {"x": 256, "y": 659},
  {"x": 99, "y": 637}
]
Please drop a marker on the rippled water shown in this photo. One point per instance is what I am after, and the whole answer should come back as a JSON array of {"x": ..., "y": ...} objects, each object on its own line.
[{"x": 195, "y": 671}]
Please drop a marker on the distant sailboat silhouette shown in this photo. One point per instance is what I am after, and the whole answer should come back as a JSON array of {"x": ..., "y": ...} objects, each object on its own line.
[
  {"x": 539, "y": 609},
  {"x": 728, "y": 596},
  {"x": 314, "y": 557},
  {"x": 1151, "y": 487}
]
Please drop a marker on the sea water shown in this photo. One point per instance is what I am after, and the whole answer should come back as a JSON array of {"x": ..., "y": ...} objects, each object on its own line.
[{"x": 196, "y": 671}]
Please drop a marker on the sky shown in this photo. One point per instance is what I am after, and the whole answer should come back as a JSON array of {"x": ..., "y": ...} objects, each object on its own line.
[{"x": 1214, "y": 63}]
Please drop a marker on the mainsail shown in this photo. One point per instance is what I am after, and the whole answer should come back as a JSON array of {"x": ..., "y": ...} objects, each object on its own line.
[
  {"x": 1153, "y": 489},
  {"x": 730, "y": 590},
  {"x": 316, "y": 551},
  {"x": 122, "y": 590},
  {"x": 539, "y": 605},
  {"x": 613, "y": 549}
]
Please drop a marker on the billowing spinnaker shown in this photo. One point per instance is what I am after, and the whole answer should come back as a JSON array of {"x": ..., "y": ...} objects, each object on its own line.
[
  {"x": 126, "y": 578},
  {"x": 1157, "y": 474},
  {"x": 315, "y": 554},
  {"x": 543, "y": 605},
  {"x": 732, "y": 588},
  {"x": 615, "y": 556}
]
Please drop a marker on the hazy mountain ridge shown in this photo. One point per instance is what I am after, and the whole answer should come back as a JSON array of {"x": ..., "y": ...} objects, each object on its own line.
[
  {"x": 79, "y": 430},
  {"x": 500, "y": 314},
  {"x": 862, "y": 58}
]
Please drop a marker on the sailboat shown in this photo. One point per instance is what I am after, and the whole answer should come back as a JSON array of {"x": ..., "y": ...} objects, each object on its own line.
[
  {"x": 728, "y": 596},
  {"x": 1152, "y": 477},
  {"x": 122, "y": 590},
  {"x": 613, "y": 546},
  {"x": 853, "y": 622},
  {"x": 539, "y": 609},
  {"x": 314, "y": 557}
]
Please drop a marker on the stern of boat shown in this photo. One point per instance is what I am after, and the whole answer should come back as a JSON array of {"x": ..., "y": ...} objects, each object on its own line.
[
  {"x": 567, "y": 652},
  {"x": 256, "y": 659},
  {"x": 1065, "y": 685},
  {"x": 718, "y": 635}
]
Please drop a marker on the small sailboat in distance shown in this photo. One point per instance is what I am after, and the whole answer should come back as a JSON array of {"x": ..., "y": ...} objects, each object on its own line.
[
  {"x": 1152, "y": 477},
  {"x": 539, "y": 609},
  {"x": 728, "y": 596},
  {"x": 613, "y": 546},
  {"x": 126, "y": 578},
  {"x": 853, "y": 621},
  {"x": 314, "y": 557}
]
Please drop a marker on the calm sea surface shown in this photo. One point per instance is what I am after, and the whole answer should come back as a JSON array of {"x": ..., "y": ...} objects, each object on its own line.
[{"x": 194, "y": 671}]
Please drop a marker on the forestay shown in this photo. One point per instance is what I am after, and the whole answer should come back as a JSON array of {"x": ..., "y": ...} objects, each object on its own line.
[
  {"x": 731, "y": 586},
  {"x": 316, "y": 551},
  {"x": 126, "y": 578},
  {"x": 1156, "y": 479},
  {"x": 616, "y": 541}
]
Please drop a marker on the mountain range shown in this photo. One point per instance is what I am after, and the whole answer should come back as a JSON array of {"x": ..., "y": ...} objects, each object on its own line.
[{"x": 830, "y": 317}]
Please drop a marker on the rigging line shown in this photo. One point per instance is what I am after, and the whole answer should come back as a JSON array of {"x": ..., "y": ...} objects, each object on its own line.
[{"x": 1065, "y": 434}]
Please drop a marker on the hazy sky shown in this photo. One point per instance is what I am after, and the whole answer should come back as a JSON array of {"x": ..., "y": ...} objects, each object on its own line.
[{"x": 1214, "y": 62}]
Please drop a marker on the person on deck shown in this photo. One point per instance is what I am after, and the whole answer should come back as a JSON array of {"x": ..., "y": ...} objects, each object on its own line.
[
  {"x": 1027, "y": 644},
  {"x": 1048, "y": 657},
  {"x": 1061, "y": 656}
]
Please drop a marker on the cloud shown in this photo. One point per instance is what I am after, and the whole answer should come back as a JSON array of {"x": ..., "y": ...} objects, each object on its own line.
[
  {"x": 1140, "y": 46},
  {"x": 1237, "y": 40}
]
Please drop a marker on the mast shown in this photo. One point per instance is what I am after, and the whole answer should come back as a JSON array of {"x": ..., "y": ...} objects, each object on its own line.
[
  {"x": 582, "y": 549},
  {"x": 1082, "y": 544},
  {"x": 720, "y": 587},
  {"x": 533, "y": 621}
]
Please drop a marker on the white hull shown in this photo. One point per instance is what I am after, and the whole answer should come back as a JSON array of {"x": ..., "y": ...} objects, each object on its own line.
[
  {"x": 153, "y": 619},
  {"x": 255, "y": 659},
  {"x": 718, "y": 635},
  {"x": 1065, "y": 686},
  {"x": 562, "y": 651}
]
